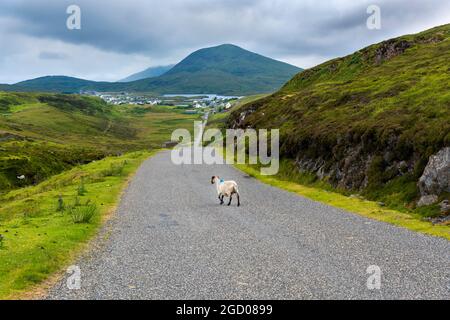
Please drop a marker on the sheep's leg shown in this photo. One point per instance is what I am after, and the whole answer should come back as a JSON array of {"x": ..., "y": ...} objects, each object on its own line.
[
  {"x": 239, "y": 202},
  {"x": 221, "y": 199},
  {"x": 231, "y": 198}
]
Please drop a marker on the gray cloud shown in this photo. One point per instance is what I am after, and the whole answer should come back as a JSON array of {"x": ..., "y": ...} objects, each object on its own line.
[
  {"x": 47, "y": 55},
  {"x": 301, "y": 32}
]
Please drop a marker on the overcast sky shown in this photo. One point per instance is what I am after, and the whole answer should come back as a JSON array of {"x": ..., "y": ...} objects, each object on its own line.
[{"x": 118, "y": 38}]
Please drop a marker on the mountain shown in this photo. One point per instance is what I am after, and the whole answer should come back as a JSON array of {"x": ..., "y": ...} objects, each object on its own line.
[
  {"x": 225, "y": 69},
  {"x": 367, "y": 123},
  {"x": 151, "y": 72}
]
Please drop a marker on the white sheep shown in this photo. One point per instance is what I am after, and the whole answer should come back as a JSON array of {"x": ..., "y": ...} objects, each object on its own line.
[{"x": 226, "y": 189}]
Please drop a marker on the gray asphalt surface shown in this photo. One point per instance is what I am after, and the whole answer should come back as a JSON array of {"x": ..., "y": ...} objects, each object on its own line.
[{"x": 170, "y": 239}]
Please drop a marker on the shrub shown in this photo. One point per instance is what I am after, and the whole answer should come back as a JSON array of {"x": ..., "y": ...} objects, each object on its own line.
[
  {"x": 83, "y": 214},
  {"x": 115, "y": 169},
  {"x": 77, "y": 202},
  {"x": 61, "y": 206},
  {"x": 81, "y": 188}
]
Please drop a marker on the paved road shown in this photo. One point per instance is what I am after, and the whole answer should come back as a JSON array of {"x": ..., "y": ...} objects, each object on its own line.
[{"x": 171, "y": 239}]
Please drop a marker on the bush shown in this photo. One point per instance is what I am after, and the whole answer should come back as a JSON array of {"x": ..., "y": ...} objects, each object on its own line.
[
  {"x": 77, "y": 203},
  {"x": 81, "y": 188},
  {"x": 61, "y": 206},
  {"x": 83, "y": 214},
  {"x": 115, "y": 169}
]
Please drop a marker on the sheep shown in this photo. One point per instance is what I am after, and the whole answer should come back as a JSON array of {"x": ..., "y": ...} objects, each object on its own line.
[{"x": 226, "y": 189}]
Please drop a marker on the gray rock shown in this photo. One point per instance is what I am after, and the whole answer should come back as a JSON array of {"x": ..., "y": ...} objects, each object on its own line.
[
  {"x": 427, "y": 200},
  {"x": 445, "y": 207},
  {"x": 436, "y": 176}
]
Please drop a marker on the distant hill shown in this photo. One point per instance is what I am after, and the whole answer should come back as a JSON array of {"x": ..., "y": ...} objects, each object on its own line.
[
  {"x": 225, "y": 69},
  {"x": 56, "y": 84},
  {"x": 367, "y": 122},
  {"x": 148, "y": 73},
  {"x": 5, "y": 87}
]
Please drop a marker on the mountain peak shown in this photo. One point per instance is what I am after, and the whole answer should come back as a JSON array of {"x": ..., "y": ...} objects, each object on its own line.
[{"x": 226, "y": 46}]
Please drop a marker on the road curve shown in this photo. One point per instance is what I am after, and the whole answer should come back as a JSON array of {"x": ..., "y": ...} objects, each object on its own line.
[{"x": 170, "y": 239}]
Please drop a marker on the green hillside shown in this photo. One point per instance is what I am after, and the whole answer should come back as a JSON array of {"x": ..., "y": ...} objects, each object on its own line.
[
  {"x": 44, "y": 134},
  {"x": 368, "y": 122},
  {"x": 62, "y": 84},
  {"x": 226, "y": 69}
]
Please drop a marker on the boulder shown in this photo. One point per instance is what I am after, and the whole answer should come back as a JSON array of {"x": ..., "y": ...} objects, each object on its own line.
[
  {"x": 445, "y": 207},
  {"x": 427, "y": 200},
  {"x": 435, "y": 178}
]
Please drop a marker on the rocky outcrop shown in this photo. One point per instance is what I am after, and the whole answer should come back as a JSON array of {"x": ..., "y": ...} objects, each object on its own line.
[
  {"x": 390, "y": 49},
  {"x": 435, "y": 178}
]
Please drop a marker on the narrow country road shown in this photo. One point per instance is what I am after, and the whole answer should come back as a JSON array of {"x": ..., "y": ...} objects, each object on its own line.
[{"x": 170, "y": 239}]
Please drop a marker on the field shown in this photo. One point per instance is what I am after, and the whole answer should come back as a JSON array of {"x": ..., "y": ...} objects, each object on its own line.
[{"x": 42, "y": 135}]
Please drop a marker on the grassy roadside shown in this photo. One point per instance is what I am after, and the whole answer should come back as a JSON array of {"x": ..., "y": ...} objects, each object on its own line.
[
  {"x": 43, "y": 227},
  {"x": 359, "y": 206}
]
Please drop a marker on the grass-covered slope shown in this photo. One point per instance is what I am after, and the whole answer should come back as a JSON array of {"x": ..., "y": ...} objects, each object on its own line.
[
  {"x": 44, "y": 134},
  {"x": 367, "y": 122},
  {"x": 43, "y": 227}
]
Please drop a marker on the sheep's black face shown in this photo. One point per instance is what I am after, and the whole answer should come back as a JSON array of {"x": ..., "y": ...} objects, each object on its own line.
[{"x": 212, "y": 179}]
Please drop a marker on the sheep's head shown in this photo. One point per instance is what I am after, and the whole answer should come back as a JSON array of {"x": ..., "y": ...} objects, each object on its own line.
[{"x": 213, "y": 179}]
